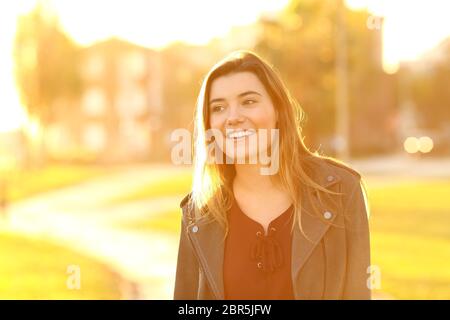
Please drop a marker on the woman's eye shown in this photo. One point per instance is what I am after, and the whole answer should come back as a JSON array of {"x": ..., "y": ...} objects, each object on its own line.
[
  {"x": 249, "y": 101},
  {"x": 217, "y": 108}
]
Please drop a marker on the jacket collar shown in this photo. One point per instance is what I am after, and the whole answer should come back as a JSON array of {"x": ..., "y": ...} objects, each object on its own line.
[{"x": 207, "y": 236}]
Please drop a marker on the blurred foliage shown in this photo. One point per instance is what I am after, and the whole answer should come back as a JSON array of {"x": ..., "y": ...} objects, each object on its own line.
[
  {"x": 35, "y": 269},
  {"x": 429, "y": 90},
  {"x": 301, "y": 44},
  {"x": 47, "y": 65},
  {"x": 46, "y": 69}
]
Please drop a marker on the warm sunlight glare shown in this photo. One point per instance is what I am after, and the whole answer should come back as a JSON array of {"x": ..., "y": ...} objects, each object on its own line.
[
  {"x": 148, "y": 23},
  {"x": 154, "y": 24},
  {"x": 411, "y": 28}
]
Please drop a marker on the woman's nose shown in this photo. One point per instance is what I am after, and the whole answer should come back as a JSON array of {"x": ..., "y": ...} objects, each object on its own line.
[{"x": 234, "y": 117}]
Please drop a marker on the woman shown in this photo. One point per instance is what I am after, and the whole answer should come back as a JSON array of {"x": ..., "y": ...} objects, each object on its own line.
[{"x": 297, "y": 232}]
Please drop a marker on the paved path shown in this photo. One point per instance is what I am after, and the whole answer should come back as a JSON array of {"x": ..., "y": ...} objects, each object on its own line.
[{"x": 77, "y": 217}]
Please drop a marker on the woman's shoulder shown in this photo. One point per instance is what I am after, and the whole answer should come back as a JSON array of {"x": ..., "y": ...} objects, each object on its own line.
[
  {"x": 330, "y": 169},
  {"x": 353, "y": 186}
]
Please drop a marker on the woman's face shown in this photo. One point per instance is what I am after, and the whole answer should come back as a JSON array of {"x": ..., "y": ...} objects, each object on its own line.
[{"x": 239, "y": 106}]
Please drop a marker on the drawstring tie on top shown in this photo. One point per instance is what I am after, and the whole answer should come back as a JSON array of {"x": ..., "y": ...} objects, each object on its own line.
[{"x": 267, "y": 251}]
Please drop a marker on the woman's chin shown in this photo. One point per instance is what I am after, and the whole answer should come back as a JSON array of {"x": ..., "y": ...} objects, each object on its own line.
[{"x": 243, "y": 158}]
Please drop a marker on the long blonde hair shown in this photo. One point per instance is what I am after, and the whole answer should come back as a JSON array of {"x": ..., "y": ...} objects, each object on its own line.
[{"x": 212, "y": 183}]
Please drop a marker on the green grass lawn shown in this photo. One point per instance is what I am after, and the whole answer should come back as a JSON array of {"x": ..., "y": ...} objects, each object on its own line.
[
  {"x": 410, "y": 233},
  {"x": 25, "y": 183},
  {"x": 35, "y": 269},
  {"x": 410, "y": 238}
]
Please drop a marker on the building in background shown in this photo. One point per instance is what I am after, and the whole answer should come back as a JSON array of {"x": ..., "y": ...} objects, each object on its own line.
[
  {"x": 118, "y": 115},
  {"x": 132, "y": 99}
]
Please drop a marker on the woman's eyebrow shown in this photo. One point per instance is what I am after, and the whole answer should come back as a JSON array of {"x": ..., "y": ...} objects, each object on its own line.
[{"x": 239, "y": 95}]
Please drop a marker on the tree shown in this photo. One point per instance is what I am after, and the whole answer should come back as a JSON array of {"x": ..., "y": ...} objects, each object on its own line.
[
  {"x": 301, "y": 43},
  {"x": 46, "y": 66},
  {"x": 429, "y": 89}
]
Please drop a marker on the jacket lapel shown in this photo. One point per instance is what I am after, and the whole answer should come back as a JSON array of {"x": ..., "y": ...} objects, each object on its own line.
[{"x": 314, "y": 227}]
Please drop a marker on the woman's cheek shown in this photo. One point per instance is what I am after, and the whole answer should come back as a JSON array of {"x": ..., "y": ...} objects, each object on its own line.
[
  {"x": 215, "y": 122},
  {"x": 263, "y": 117}
]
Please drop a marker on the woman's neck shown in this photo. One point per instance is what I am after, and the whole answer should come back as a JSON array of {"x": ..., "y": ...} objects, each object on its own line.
[{"x": 250, "y": 179}]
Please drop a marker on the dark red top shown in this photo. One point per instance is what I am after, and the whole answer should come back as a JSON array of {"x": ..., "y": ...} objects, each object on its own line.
[{"x": 257, "y": 266}]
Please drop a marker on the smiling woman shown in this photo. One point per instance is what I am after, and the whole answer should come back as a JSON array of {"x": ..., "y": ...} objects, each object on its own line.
[{"x": 300, "y": 232}]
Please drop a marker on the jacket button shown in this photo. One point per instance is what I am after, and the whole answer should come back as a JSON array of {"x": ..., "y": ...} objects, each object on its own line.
[
  {"x": 194, "y": 229},
  {"x": 330, "y": 178},
  {"x": 327, "y": 215},
  {"x": 259, "y": 264}
]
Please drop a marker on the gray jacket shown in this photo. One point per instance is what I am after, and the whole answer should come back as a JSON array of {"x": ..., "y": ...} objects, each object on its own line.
[{"x": 332, "y": 264}]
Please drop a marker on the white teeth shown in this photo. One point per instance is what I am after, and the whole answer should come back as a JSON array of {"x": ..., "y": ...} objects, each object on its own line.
[{"x": 235, "y": 134}]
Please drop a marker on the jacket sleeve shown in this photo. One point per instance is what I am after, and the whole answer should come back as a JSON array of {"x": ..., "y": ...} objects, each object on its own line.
[
  {"x": 187, "y": 271},
  {"x": 357, "y": 282}
]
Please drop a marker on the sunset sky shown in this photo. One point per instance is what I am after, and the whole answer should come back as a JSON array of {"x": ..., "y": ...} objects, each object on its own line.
[{"x": 411, "y": 28}]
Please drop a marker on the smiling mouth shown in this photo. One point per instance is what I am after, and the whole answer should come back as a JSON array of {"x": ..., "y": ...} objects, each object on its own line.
[{"x": 239, "y": 134}]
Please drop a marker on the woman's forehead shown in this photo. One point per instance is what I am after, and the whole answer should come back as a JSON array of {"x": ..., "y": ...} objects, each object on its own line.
[{"x": 234, "y": 84}]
